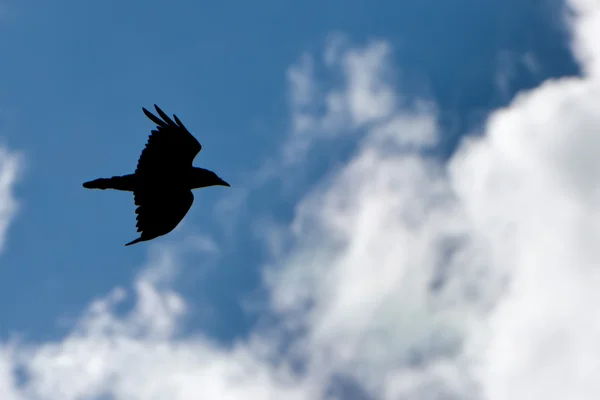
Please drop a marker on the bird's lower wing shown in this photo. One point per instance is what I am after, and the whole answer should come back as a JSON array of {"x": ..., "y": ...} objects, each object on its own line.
[{"x": 160, "y": 211}]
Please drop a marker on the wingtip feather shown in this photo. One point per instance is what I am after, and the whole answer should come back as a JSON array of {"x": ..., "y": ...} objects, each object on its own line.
[
  {"x": 154, "y": 118},
  {"x": 163, "y": 115},
  {"x": 134, "y": 241},
  {"x": 178, "y": 121}
]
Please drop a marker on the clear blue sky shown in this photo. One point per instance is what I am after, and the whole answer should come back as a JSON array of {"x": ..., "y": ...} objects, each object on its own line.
[{"x": 76, "y": 74}]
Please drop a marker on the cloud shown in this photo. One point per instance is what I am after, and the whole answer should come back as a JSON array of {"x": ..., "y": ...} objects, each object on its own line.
[
  {"x": 401, "y": 276},
  {"x": 365, "y": 96},
  {"x": 10, "y": 167},
  {"x": 476, "y": 279},
  {"x": 141, "y": 355}
]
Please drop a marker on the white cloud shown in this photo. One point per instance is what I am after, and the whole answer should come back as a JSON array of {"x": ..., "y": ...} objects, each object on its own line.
[
  {"x": 10, "y": 168},
  {"x": 410, "y": 278},
  {"x": 507, "y": 236},
  {"x": 366, "y": 95},
  {"x": 141, "y": 356}
]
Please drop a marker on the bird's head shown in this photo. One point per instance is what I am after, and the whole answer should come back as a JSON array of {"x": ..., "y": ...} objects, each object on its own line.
[{"x": 203, "y": 177}]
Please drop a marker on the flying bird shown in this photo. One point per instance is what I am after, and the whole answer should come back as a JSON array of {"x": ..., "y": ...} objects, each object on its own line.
[{"x": 164, "y": 178}]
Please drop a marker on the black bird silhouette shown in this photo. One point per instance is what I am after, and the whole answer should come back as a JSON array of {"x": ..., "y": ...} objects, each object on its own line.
[{"x": 164, "y": 178}]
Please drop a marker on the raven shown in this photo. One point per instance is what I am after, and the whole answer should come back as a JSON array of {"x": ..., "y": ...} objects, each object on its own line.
[{"x": 164, "y": 178}]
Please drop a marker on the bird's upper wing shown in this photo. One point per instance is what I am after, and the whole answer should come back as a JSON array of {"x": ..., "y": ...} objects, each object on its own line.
[
  {"x": 160, "y": 211},
  {"x": 170, "y": 146}
]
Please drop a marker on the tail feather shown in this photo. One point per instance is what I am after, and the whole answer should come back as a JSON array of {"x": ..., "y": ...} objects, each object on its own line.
[{"x": 125, "y": 182}]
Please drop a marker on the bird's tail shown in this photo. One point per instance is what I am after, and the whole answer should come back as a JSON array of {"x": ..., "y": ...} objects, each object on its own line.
[{"x": 125, "y": 182}]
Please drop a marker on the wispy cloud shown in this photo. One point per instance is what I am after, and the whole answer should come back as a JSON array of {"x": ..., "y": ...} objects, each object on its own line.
[
  {"x": 365, "y": 95},
  {"x": 11, "y": 166}
]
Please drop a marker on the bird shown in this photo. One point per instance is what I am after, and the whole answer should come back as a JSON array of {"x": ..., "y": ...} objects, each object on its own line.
[{"x": 164, "y": 178}]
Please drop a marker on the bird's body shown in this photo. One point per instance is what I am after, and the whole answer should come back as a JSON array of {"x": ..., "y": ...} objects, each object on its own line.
[{"x": 164, "y": 178}]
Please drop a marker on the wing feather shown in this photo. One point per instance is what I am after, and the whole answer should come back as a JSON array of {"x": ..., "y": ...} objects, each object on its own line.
[
  {"x": 170, "y": 147},
  {"x": 159, "y": 213}
]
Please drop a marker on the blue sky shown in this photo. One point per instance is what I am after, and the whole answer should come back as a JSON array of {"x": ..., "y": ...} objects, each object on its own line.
[{"x": 76, "y": 75}]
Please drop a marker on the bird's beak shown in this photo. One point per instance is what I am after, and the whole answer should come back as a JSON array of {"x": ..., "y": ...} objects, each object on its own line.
[{"x": 223, "y": 183}]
